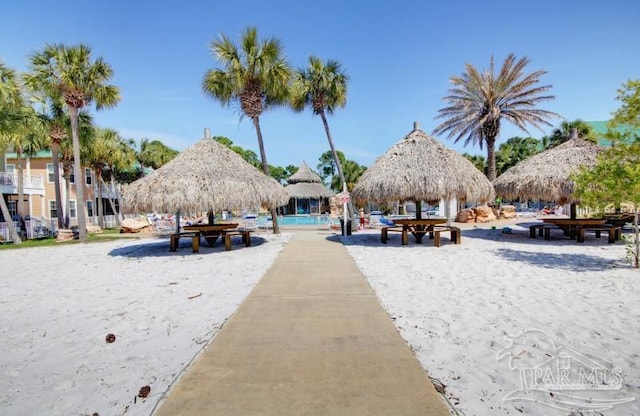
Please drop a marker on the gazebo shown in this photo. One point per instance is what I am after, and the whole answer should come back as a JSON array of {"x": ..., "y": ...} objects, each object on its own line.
[
  {"x": 547, "y": 175},
  {"x": 420, "y": 168},
  {"x": 207, "y": 176},
  {"x": 307, "y": 194}
]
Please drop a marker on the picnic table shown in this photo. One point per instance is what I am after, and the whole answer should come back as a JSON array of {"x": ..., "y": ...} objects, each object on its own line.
[
  {"x": 211, "y": 232},
  {"x": 572, "y": 226},
  {"x": 419, "y": 227}
]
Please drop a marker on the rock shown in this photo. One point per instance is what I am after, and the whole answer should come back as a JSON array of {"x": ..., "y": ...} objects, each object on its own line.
[
  {"x": 64, "y": 235},
  {"x": 466, "y": 215},
  {"x": 484, "y": 213},
  {"x": 508, "y": 211},
  {"x": 130, "y": 225}
]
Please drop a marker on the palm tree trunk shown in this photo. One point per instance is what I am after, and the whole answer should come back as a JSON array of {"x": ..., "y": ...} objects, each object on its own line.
[
  {"x": 111, "y": 203},
  {"x": 119, "y": 216},
  {"x": 19, "y": 207},
  {"x": 77, "y": 170},
  {"x": 335, "y": 157},
  {"x": 265, "y": 169},
  {"x": 55, "y": 146},
  {"x": 11, "y": 226},
  {"x": 67, "y": 203},
  {"x": 491, "y": 158},
  {"x": 99, "y": 191},
  {"x": 636, "y": 255}
]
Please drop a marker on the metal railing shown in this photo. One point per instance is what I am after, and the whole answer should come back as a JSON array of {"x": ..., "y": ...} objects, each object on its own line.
[{"x": 30, "y": 181}]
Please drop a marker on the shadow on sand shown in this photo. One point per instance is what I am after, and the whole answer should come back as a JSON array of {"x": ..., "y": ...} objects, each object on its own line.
[
  {"x": 558, "y": 261},
  {"x": 160, "y": 248}
]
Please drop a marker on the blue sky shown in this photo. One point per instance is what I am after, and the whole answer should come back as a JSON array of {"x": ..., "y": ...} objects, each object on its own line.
[{"x": 399, "y": 57}]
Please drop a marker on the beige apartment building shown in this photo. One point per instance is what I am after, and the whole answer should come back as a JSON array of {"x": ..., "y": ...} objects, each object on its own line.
[{"x": 39, "y": 193}]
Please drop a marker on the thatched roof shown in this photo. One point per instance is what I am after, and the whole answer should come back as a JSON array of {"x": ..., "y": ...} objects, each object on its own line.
[
  {"x": 308, "y": 190},
  {"x": 420, "y": 168},
  {"x": 206, "y": 176},
  {"x": 304, "y": 174},
  {"x": 546, "y": 175}
]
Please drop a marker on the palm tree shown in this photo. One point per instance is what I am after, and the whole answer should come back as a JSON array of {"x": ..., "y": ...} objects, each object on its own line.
[
  {"x": 11, "y": 106},
  {"x": 98, "y": 157},
  {"x": 563, "y": 133},
  {"x": 70, "y": 74},
  {"x": 478, "y": 101},
  {"x": 257, "y": 75},
  {"x": 57, "y": 124},
  {"x": 515, "y": 150},
  {"x": 26, "y": 141},
  {"x": 323, "y": 87}
]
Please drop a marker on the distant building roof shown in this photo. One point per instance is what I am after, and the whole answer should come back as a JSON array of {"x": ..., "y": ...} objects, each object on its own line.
[
  {"x": 43, "y": 154},
  {"x": 601, "y": 129}
]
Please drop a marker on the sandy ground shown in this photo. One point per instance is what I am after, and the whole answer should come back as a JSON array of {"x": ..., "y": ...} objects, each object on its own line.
[
  {"x": 481, "y": 314},
  {"x": 59, "y": 303},
  {"x": 480, "y": 317}
]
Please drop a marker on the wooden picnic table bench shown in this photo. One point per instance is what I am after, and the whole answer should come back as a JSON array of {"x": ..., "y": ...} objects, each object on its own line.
[
  {"x": 195, "y": 240},
  {"x": 384, "y": 234},
  {"x": 454, "y": 234},
  {"x": 246, "y": 238},
  {"x": 613, "y": 232}
]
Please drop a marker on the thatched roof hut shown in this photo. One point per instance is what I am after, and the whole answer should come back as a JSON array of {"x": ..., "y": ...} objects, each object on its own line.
[
  {"x": 307, "y": 192},
  {"x": 204, "y": 177},
  {"x": 546, "y": 175},
  {"x": 304, "y": 174},
  {"x": 420, "y": 168},
  {"x": 306, "y": 184}
]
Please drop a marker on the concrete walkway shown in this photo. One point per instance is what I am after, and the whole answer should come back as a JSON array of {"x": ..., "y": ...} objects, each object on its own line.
[{"x": 311, "y": 339}]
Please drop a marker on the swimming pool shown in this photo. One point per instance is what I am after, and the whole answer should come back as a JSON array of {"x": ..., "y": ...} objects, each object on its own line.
[{"x": 299, "y": 220}]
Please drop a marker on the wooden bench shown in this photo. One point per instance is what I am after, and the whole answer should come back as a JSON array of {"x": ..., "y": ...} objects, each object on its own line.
[
  {"x": 614, "y": 232},
  {"x": 246, "y": 238},
  {"x": 384, "y": 234},
  {"x": 195, "y": 241},
  {"x": 455, "y": 234},
  {"x": 542, "y": 229}
]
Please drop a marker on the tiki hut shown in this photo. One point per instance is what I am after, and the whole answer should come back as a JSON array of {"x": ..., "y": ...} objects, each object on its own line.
[
  {"x": 420, "y": 168},
  {"x": 546, "y": 175},
  {"x": 307, "y": 194},
  {"x": 204, "y": 177}
]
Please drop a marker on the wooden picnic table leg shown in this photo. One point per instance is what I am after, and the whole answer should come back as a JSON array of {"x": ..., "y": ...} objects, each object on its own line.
[
  {"x": 211, "y": 239},
  {"x": 419, "y": 233}
]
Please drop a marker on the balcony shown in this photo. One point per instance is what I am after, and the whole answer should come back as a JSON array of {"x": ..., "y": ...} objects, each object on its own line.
[{"x": 31, "y": 184}]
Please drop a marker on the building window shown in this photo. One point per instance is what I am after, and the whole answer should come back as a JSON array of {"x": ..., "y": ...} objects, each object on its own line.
[
  {"x": 90, "y": 208},
  {"x": 12, "y": 208},
  {"x": 10, "y": 169},
  {"x": 53, "y": 210},
  {"x": 72, "y": 177},
  {"x": 72, "y": 209},
  {"x": 87, "y": 176},
  {"x": 50, "y": 177}
]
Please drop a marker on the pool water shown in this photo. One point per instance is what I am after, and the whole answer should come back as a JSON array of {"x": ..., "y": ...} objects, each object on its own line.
[{"x": 299, "y": 220}]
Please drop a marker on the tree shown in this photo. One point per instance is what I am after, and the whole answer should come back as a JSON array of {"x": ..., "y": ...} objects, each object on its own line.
[
  {"x": 11, "y": 105},
  {"x": 70, "y": 74},
  {"x": 480, "y": 100},
  {"x": 257, "y": 75},
  {"x": 248, "y": 155},
  {"x": 478, "y": 161},
  {"x": 629, "y": 112},
  {"x": 563, "y": 133},
  {"x": 26, "y": 140},
  {"x": 323, "y": 88},
  {"x": 614, "y": 180},
  {"x": 327, "y": 169},
  {"x": 154, "y": 154},
  {"x": 515, "y": 150}
]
